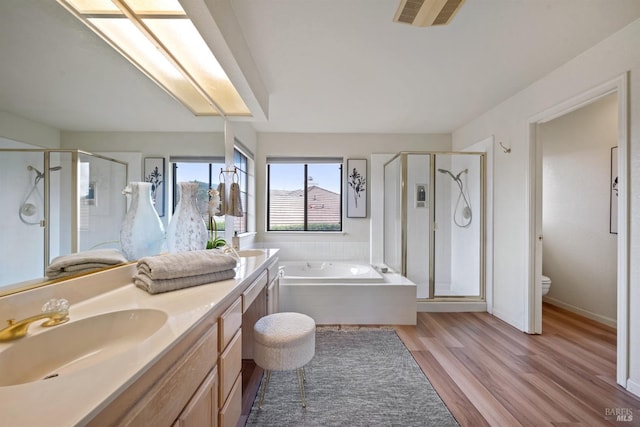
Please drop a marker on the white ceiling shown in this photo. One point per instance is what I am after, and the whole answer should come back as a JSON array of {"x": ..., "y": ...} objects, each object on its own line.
[{"x": 329, "y": 65}]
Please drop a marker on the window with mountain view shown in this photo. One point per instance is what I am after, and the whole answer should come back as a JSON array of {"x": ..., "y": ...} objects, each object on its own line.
[
  {"x": 206, "y": 171},
  {"x": 304, "y": 194}
]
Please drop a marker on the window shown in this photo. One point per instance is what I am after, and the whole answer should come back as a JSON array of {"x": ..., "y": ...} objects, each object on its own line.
[
  {"x": 304, "y": 194},
  {"x": 242, "y": 166},
  {"x": 206, "y": 171}
]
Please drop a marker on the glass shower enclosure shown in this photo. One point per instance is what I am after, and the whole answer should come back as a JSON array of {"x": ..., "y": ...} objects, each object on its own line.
[
  {"x": 56, "y": 202},
  {"x": 434, "y": 222}
]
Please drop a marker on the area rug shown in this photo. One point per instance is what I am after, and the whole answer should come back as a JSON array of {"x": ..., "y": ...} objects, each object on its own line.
[{"x": 358, "y": 377}]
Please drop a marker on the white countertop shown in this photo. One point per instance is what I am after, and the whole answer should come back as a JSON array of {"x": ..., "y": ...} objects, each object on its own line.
[{"x": 76, "y": 397}]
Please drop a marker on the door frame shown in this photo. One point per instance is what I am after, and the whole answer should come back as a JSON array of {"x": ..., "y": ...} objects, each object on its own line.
[{"x": 533, "y": 297}]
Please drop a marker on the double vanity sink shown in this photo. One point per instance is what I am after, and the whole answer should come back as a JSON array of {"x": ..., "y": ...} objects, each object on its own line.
[{"x": 68, "y": 373}]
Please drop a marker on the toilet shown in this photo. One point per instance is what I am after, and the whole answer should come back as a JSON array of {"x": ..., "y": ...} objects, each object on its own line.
[{"x": 546, "y": 284}]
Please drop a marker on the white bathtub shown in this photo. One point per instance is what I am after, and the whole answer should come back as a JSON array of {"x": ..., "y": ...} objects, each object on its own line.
[
  {"x": 330, "y": 271},
  {"x": 341, "y": 293}
]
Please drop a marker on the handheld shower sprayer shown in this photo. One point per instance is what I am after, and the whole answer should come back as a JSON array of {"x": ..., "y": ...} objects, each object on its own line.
[
  {"x": 467, "y": 214},
  {"x": 32, "y": 203},
  {"x": 454, "y": 177}
]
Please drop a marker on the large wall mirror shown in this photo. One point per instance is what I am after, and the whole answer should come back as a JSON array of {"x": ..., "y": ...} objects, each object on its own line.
[
  {"x": 64, "y": 87},
  {"x": 55, "y": 203}
]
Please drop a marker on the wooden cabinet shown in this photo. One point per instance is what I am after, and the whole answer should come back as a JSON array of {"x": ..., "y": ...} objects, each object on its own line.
[
  {"x": 162, "y": 394},
  {"x": 250, "y": 295},
  {"x": 230, "y": 321},
  {"x": 232, "y": 410},
  {"x": 198, "y": 381},
  {"x": 230, "y": 364},
  {"x": 202, "y": 410}
]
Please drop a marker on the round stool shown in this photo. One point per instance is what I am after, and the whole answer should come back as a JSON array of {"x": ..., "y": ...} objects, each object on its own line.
[{"x": 282, "y": 342}]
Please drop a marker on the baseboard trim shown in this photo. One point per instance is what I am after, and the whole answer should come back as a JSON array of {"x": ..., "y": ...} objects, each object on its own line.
[
  {"x": 593, "y": 316},
  {"x": 633, "y": 387},
  {"x": 450, "y": 306},
  {"x": 513, "y": 322}
]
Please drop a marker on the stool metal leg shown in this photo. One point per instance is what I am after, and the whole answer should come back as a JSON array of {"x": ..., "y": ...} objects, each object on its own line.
[
  {"x": 300, "y": 372},
  {"x": 264, "y": 388}
]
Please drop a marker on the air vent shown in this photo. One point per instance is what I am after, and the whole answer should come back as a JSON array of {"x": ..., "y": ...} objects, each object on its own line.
[{"x": 424, "y": 13}]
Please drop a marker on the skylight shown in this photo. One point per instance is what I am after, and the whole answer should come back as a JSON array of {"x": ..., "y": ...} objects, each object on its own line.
[{"x": 158, "y": 37}]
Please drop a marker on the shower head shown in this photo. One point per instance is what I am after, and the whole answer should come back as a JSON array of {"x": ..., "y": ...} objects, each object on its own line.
[
  {"x": 461, "y": 172},
  {"x": 454, "y": 177},
  {"x": 447, "y": 172},
  {"x": 39, "y": 174}
]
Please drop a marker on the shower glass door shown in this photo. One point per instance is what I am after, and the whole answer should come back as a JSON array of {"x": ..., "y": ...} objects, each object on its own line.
[{"x": 457, "y": 229}]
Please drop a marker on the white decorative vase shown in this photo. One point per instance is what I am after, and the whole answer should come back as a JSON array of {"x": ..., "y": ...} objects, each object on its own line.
[
  {"x": 142, "y": 233},
  {"x": 187, "y": 230}
]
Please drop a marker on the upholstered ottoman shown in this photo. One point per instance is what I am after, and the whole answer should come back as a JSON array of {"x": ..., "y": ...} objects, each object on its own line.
[{"x": 282, "y": 342}]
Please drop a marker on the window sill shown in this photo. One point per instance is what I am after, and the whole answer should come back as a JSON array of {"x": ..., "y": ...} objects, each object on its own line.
[{"x": 302, "y": 233}]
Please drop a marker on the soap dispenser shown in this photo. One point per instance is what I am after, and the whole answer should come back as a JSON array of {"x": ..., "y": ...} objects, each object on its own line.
[{"x": 235, "y": 241}]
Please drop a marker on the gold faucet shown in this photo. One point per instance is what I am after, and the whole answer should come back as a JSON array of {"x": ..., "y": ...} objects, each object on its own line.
[{"x": 57, "y": 311}]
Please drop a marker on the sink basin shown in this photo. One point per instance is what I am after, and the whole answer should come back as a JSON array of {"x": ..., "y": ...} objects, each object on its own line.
[
  {"x": 76, "y": 345},
  {"x": 251, "y": 252}
]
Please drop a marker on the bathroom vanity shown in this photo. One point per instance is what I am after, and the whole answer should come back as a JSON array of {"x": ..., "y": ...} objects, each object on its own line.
[{"x": 176, "y": 360}]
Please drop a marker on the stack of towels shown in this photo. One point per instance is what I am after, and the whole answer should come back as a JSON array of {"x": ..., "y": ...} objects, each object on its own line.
[
  {"x": 164, "y": 273},
  {"x": 83, "y": 262}
]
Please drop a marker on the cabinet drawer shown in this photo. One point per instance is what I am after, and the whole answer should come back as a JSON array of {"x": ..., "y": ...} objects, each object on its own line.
[
  {"x": 232, "y": 409},
  {"x": 273, "y": 270},
  {"x": 167, "y": 398},
  {"x": 202, "y": 410},
  {"x": 251, "y": 293},
  {"x": 230, "y": 366},
  {"x": 229, "y": 323}
]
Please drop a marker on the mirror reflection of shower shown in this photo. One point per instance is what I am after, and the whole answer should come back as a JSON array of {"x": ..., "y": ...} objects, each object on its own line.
[
  {"x": 30, "y": 211},
  {"x": 462, "y": 214}
]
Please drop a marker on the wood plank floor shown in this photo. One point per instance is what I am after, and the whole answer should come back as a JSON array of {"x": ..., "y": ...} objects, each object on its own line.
[{"x": 491, "y": 374}]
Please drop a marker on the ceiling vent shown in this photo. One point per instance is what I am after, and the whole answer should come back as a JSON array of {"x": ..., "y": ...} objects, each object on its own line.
[{"x": 424, "y": 13}]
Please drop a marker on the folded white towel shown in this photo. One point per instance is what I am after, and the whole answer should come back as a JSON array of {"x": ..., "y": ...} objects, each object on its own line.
[
  {"x": 154, "y": 286},
  {"x": 67, "y": 265},
  {"x": 185, "y": 264}
]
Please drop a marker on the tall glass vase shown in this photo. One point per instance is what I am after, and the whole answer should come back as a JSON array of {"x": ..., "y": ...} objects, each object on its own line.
[
  {"x": 142, "y": 232},
  {"x": 187, "y": 230}
]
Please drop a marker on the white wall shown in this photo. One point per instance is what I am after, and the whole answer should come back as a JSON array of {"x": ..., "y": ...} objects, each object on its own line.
[
  {"x": 353, "y": 242},
  {"x": 27, "y": 131},
  {"x": 509, "y": 123},
  {"x": 465, "y": 246},
  {"x": 579, "y": 253}
]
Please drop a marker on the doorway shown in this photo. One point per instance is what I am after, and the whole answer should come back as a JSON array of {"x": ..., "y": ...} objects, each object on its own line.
[
  {"x": 578, "y": 202},
  {"x": 534, "y": 296}
]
